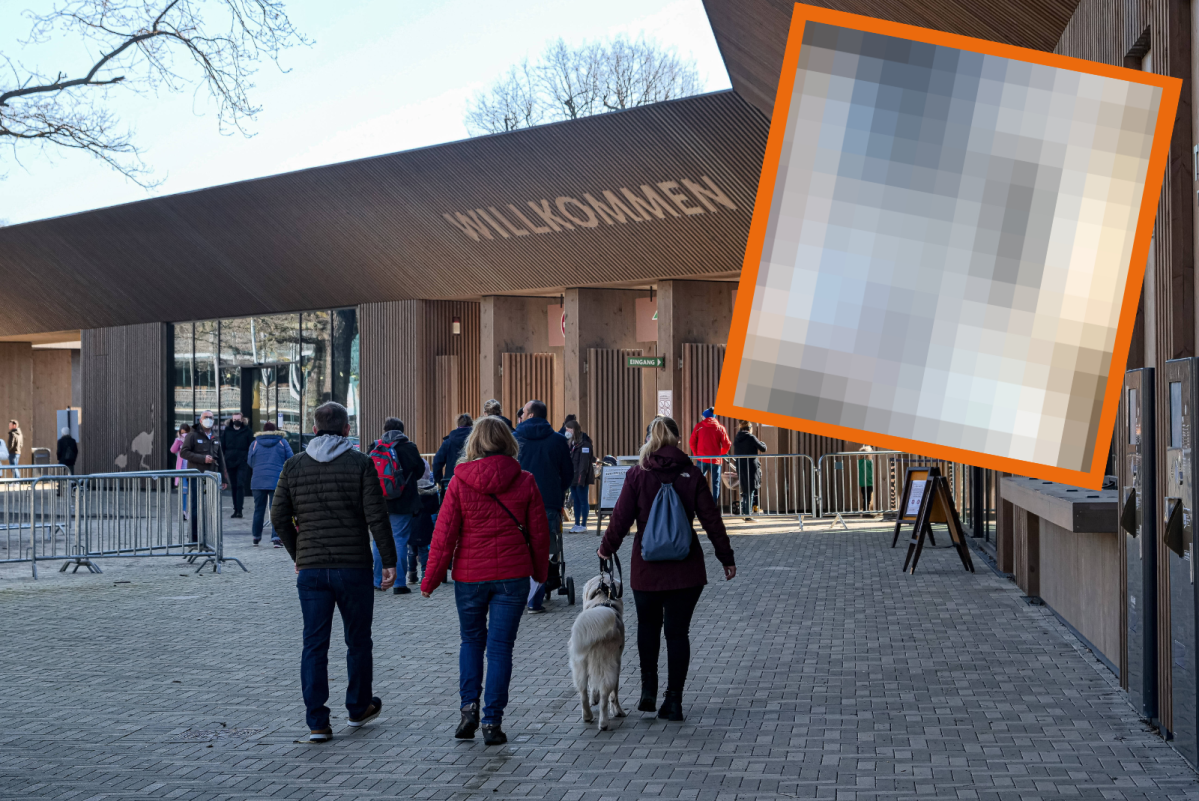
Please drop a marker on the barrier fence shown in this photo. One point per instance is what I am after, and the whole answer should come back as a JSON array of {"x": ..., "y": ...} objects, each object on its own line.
[
  {"x": 81, "y": 519},
  {"x": 9, "y": 471}
]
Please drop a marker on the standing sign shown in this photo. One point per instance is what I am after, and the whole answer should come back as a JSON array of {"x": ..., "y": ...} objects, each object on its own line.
[
  {"x": 937, "y": 500},
  {"x": 914, "y": 498},
  {"x": 611, "y": 483},
  {"x": 914, "y": 487},
  {"x": 665, "y": 402}
]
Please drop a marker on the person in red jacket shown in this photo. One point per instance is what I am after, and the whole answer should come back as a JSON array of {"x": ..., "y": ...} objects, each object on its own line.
[
  {"x": 492, "y": 526},
  {"x": 710, "y": 438},
  {"x": 666, "y": 592}
]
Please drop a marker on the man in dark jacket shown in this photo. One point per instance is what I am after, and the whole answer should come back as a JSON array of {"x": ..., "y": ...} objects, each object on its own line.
[
  {"x": 68, "y": 449},
  {"x": 235, "y": 442},
  {"x": 328, "y": 499},
  {"x": 450, "y": 452},
  {"x": 546, "y": 454},
  {"x": 201, "y": 450},
  {"x": 401, "y": 511}
]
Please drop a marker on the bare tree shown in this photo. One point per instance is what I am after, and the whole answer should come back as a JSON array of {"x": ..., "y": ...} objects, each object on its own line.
[
  {"x": 145, "y": 46},
  {"x": 593, "y": 78},
  {"x": 511, "y": 103}
]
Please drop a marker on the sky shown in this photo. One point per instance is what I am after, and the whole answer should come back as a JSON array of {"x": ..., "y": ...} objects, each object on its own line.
[{"x": 381, "y": 77}]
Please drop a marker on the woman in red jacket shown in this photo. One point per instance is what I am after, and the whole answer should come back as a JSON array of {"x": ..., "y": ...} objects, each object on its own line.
[
  {"x": 666, "y": 592},
  {"x": 492, "y": 525}
]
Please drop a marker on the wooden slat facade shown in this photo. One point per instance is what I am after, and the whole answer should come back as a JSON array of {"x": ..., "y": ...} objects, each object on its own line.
[
  {"x": 125, "y": 384},
  {"x": 401, "y": 342},
  {"x": 617, "y": 424},
  {"x": 526, "y": 377},
  {"x": 701, "y": 376}
]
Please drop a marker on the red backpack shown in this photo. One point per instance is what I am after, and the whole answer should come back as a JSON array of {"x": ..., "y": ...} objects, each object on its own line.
[{"x": 388, "y": 467}]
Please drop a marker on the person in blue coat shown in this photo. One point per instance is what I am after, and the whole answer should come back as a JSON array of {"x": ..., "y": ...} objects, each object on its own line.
[
  {"x": 267, "y": 454},
  {"x": 546, "y": 454},
  {"x": 450, "y": 452}
]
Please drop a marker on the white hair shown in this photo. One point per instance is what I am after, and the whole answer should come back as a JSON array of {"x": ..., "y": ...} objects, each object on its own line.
[{"x": 65, "y": 431}]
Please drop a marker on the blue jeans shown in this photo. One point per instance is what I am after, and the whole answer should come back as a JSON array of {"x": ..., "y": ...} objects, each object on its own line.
[
  {"x": 505, "y": 600},
  {"x": 262, "y": 504},
  {"x": 536, "y": 593},
  {"x": 401, "y": 525},
  {"x": 713, "y": 473},
  {"x": 350, "y": 591},
  {"x": 418, "y": 555},
  {"x": 578, "y": 496}
]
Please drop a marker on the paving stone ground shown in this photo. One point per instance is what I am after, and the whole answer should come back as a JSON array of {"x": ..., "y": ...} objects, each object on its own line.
[{"x": 820, "y": 672}]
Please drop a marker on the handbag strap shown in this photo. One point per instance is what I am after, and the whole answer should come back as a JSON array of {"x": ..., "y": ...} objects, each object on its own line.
[{"x": 523, "y": 531}]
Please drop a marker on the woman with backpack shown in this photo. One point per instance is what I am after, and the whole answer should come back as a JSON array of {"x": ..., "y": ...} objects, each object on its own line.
[
  {"x": 667, "y": 570},
  {"x": 492, "y": 524}
]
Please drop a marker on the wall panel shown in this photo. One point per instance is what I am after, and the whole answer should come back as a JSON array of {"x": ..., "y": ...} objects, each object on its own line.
[
  {"x": 16, "y": 390},
  {"x": 701, "y": 376},
  {"x": 526, "y": 377},
  {"x": 51, "y": 392},
  {"x": 124, "y": 385},
  {"x": 616, "y": 426}
]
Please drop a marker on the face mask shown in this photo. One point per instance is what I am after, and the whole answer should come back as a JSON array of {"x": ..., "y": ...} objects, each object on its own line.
[
  {"x": 569, "y": 433},
  {"x": 206, "y": 422},
  {"x": 237, "y": 423}
]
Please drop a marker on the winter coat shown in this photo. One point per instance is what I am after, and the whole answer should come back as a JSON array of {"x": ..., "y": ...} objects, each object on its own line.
[
  {"x": 331, "y": 494},
  {"x": 68, "y": 450},
  {"x": 749, "y": 471},
  {"x": 16, "y": 441},
  {"x": 412, "y": 467},
  {"x": 709, "y": 438},
  {"x": 197, "y": 445},
  {"x": 268, "y": 453},
  {"x": 582, "y": 460},
  {"x": 546, "y": 454},
  {"x": 235, "y": 442},
  {"x": 475, "y": 532},
  {"x": 448, "y": 454},
  {"x": 670, "y": 465}
]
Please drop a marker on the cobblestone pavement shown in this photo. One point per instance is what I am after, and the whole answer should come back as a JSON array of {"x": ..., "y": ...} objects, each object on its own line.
[{"x": 821, "y": 671}]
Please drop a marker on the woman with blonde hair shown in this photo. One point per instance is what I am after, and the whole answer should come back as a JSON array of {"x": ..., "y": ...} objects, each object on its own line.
[
  {"x": 666, "y": 592},
  {"x": 492, "y": 526}
]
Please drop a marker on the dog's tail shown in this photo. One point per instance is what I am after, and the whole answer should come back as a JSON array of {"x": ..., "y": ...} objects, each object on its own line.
[{"x": 592, "y": 626}]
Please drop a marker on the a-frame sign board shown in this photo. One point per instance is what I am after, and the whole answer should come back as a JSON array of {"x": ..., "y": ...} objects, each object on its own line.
[
  {"x": 913, "y": 489},
  {"x": 935, "y": 501}
]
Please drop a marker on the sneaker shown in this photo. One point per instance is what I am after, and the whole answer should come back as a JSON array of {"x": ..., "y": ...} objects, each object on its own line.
[
  {"x": 401, "y": 589},
  {"x": 412, "y": 578},
  {"x": 493, "y": 734},
  {"x": 370, "y": 714},
  {"x": 277, "y": 543},
  {"x": 536, "y": 610},
  {"x": 257, "y": 541},
  {"x": 578, "y": 529},
  {"x": 235, "y": 515},
  {"x": 320, "y": 735}
]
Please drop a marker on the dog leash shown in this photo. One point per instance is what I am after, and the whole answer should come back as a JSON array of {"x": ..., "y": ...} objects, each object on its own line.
[{"x": 617, "y": 577}]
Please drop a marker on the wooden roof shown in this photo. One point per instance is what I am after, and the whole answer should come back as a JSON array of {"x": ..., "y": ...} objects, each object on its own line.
[{"x": 752, "y": 34}]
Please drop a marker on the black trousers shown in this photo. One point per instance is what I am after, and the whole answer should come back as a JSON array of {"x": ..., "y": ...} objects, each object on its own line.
[
  {"x": 671, "y": 609},
  {"x": 237, "y": 474}
]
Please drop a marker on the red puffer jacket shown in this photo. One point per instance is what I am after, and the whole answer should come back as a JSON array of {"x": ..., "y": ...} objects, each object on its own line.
[
  {"x": 479, "y": 536},
  {"x": 709, "y": 438}
]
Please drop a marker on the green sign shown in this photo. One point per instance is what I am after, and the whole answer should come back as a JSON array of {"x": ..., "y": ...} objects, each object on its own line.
[{"x": 644, "y": 361}]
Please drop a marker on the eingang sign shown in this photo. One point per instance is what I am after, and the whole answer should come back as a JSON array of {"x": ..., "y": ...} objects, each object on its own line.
[{"x": 644, "y": 361}]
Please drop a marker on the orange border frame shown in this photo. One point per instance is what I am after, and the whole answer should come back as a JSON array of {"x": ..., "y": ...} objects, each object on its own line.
[{"x": 1171, "y": 89}]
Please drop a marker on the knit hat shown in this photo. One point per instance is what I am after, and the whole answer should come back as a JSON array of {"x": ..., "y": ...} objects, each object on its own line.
[
  {"x": 709, "y": 413},
  {"x": 268, "y": 426}
]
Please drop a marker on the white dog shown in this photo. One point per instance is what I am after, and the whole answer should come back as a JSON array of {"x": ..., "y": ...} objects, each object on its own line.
[{"x": 596, "y": 646}]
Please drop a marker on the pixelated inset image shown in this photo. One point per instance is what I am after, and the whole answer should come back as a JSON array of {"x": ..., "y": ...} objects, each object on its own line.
[{"x": 947, "y": 246}]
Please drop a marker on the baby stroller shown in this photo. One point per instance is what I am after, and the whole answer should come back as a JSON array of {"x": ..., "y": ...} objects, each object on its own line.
[{"x": 558, "y": 580}]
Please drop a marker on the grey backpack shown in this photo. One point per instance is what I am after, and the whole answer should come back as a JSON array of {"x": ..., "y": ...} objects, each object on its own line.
[{"x": 667, "y": 536}]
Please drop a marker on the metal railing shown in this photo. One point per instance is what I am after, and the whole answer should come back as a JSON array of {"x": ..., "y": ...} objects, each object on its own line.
[
  {"x": 766, "y": 485},
  {"x": 845, "y": 476},
  {"x": 9, "y": 471},
  {"x": 81, "y": 519}
]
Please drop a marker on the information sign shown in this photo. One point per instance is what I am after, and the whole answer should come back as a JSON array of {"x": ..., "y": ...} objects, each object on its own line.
[{"x": 611, "y": 483}]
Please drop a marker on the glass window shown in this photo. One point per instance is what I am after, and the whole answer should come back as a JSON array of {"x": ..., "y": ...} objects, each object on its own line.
[
  {"x": 1134, "y": 417},
  {"x": 206, "y": 366},
  {"x": 316, "y": 353},
  {"x": 182, "y": 378}
]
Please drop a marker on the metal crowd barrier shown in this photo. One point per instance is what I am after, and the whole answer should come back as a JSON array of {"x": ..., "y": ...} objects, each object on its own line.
[
  {"x": 81, "y": 519},
  {"x": 838, "y": 485},
  {"x": 10, "y": 471}
]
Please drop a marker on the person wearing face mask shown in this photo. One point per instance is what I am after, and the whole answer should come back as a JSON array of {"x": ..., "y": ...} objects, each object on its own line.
[
  {"x": 202, "y": 451},
  {"x": 235, "y": 443},
  {"x": 583, "y": 459}
]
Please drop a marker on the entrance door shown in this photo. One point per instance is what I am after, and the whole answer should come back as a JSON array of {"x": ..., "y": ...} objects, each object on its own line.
[
  {"x": 270, "y": 394},
  {"x": 1140, "y": 534}
]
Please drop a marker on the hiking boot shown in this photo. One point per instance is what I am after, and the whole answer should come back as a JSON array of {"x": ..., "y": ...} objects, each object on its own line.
[
  {"x": 400, "y": 589},
  {"x": 672, "y": 707},
  {"x": 320, "y": 735},
  {"x": 370, "y": 714},
  {"x": 469, "y": 722},
  {"x": 493, "y": 734},
  {"x": 649, "y": 696}
]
